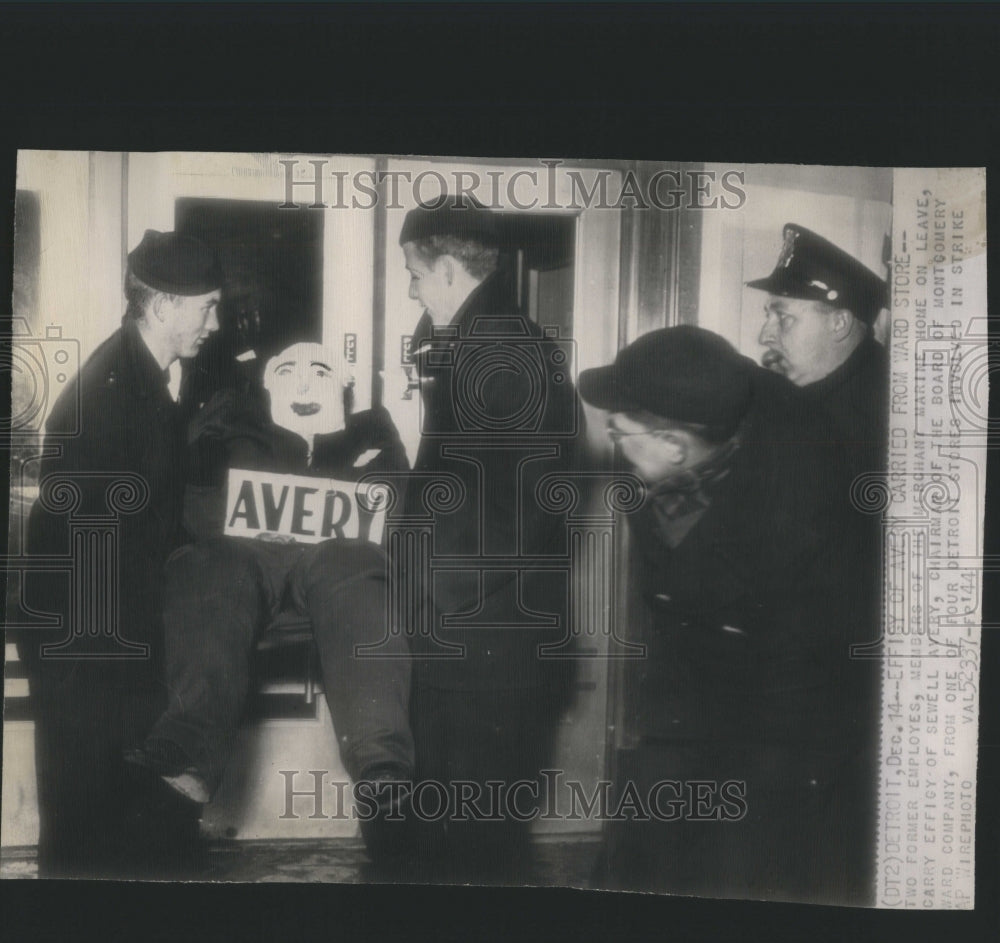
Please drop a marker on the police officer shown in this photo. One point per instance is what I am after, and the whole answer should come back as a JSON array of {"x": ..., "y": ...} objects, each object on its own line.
[
  {"x": 89, "y": 700},
  {"x": 820, "y": 307},
  {"x": 745, "y": 560},
  {"x": 820, "y": 310}
]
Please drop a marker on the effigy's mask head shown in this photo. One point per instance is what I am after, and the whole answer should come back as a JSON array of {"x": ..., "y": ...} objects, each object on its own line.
[{"x": 306, "y": 389}]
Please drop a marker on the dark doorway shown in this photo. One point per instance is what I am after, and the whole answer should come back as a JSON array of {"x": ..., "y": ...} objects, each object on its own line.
[
  {"x": 537, "y": 261},
  {"x": 29, "y": 362},
  {"x": 27, "y": 251},
  {"x": 272, "y": 293}
]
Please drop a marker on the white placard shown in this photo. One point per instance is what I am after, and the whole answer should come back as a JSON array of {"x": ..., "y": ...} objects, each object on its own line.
[{"x": 264, "y": 505}]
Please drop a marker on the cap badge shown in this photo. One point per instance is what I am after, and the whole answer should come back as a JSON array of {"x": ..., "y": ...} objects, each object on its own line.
[
  {"x": 822, "y": 286},
  {"x": 788, "y": 249}
]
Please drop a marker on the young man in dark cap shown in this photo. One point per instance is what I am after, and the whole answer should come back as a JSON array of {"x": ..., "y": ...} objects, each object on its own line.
[
  {"x": 820, "y": 308},
  {"x": 499, "y": 412},
  {"x": 96, "y": 684},
  {"x": 753, "y": 723}
]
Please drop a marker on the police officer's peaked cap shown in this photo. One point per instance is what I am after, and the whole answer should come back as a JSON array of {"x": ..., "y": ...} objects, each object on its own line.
[
  {"x": 813, "y": 268},
  {"x": 461, "y": 217},
  {"x": 175, "y": 263},
  {"x": 684, "y": 373}
]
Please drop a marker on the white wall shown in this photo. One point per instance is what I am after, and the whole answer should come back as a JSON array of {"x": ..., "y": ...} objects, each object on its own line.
[
  {"x": 850, "y": 206},
  {"x": 80, "y": 264}
]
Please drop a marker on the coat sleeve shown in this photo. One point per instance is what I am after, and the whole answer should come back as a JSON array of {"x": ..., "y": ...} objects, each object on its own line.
[
  {"x": 508, "y": 394},
  {"x": 380, "y": 433},
  {"x": 502, "y": 514},
  {"x": 229, "y": 431},
  {"x": 85, "y": 461},
  {"x": 814, "y": 686}
]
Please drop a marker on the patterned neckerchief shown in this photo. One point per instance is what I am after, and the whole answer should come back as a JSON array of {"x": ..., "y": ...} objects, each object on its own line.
[{"x": 679, "y": 502}]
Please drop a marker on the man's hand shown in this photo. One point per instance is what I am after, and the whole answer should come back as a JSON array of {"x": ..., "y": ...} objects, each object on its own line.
[
  {"x": 365, "y": 457},
  {"x": 274, "y": 538}
]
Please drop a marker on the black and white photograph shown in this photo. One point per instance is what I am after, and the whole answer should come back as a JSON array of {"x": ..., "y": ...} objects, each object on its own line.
[{"x": 552, "y": 522}]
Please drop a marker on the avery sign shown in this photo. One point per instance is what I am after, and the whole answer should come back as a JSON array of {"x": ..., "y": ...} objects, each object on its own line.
[{"x": 305, "y": 510}]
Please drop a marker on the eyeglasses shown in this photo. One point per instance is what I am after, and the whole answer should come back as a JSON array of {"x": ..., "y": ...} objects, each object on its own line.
[{"x": 616, "y": 434}]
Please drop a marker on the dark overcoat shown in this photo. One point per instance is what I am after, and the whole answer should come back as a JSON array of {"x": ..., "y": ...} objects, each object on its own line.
[
  {"x": 855, "y": 399},
  {"x": 127, "y": 461},
  {"x": 499, "y": 413},
  {"x": 749, "y": 675},
  {"x": 114, "y": 453}
]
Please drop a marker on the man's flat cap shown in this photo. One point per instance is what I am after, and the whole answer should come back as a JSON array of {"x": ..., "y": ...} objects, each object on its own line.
[
  {"x": 461, "y": 217},
  {"x": 682, "y": 373},
  {"x": 813, "y": 268},
  {"x": 175, "y": 263}
]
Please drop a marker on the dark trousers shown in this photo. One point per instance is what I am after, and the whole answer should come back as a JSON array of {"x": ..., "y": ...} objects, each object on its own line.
[
  {"x": 477, "y": 738},
  {"x": 222, "y": 593},
  {"x": 807, "y": 833},
  {"x": 86, "y": 714}
]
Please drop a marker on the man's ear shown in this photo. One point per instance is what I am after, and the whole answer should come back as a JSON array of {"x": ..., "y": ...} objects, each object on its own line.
[
  {"x": 677, "y": 448},
  {"x": 160, "y": 300},
  {"x": 841, "y": 324},
  {"x": 445, "y": 264}
]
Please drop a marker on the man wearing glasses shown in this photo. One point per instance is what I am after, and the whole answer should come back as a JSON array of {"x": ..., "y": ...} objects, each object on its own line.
[{"x": 752, "y": 718}]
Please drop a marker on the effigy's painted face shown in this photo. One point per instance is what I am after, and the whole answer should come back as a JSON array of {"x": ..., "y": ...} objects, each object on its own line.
[{"x": 307, "y": 396}]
